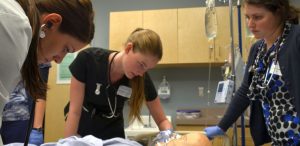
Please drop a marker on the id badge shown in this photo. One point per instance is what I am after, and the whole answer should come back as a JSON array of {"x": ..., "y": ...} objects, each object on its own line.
[
  {"x": 275, "y": 69},
  {"x": 124, "y": 91}
]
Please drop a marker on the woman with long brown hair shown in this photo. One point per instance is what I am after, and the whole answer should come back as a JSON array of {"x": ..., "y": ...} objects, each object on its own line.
[
  {"x": 35, "y": 32},
  {"x": 103, "y": 80}
]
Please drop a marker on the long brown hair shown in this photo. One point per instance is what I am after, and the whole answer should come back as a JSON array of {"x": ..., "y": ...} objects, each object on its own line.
[
  {"x": 78, "y": 21},
  {"x": 30, "y": 71},
  {"x": 287, "y": 12},
  {"x": 147, "y": 42},
  {"x": 77, "y": 16}
]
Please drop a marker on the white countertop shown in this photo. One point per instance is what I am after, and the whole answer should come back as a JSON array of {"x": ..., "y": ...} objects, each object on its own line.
[{"x": 137, "y": 129}]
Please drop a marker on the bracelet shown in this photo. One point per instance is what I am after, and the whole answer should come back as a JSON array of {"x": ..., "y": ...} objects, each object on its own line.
[{"x": 38, "y": 129}]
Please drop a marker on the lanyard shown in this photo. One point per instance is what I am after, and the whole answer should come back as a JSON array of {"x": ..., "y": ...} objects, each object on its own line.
[{"x": 266, "y": 82}]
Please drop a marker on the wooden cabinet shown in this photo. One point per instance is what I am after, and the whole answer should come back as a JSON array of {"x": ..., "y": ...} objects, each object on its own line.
[
  {"x": 164, "y": 22},
  {"x": 193, "y": 45},
  {"x": 219, "y": 141},
  {"x": 223, "y": 38},
  {"x": 121, "y": 26},
  {"x": 182, "y": 32},
  {"x": 192, "y": 41}
]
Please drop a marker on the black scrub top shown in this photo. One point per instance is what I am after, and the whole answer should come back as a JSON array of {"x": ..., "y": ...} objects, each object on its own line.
[{"x": 91, "y": 67}]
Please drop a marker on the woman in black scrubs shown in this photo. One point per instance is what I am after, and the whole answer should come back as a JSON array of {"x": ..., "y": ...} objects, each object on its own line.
[{"x": 102, "y": 80}]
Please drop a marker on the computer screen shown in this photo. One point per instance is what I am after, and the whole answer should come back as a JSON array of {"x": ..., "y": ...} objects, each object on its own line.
[{"x": 220, "y": 88}]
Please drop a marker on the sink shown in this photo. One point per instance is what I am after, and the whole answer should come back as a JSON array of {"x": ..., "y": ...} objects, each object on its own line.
[{"x": 145, "y": 129}]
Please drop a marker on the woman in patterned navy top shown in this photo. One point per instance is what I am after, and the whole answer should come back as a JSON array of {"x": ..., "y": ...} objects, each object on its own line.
[{"x": 272, "y": 76}]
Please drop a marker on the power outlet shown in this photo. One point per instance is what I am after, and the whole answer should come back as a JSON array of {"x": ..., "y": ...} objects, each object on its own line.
[{"x": 200, "y": 91}]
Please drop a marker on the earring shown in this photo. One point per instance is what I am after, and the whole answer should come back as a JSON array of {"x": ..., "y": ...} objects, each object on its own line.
[{"x": 42, "y": 33}]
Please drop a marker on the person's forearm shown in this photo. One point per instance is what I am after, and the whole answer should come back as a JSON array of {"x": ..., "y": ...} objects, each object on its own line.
[
  {"x": 236, "y": 107},
  {"x": 165, "y": 124},
  {"x": 71, "y": 125},
  {"x": 158, "y": 114},
  {"x": 39, "y": 113}
]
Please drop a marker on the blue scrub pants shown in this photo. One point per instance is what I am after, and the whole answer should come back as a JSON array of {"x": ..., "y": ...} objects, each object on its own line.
[{"x": 14, "y": 131}]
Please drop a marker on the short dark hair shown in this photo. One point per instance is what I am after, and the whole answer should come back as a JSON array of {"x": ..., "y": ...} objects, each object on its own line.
[{"x": 287, "y": 12}]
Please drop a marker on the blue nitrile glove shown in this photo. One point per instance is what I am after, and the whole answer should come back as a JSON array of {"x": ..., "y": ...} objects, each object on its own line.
[
  {"x": 165, "y": 136},
  {"x": 213, "y": 131},
  {"x": 36, "y": 137}
]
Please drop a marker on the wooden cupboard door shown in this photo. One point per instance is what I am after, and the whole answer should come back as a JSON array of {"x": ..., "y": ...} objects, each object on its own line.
[
  {"x": 164, "y": 22},
  {"x": 223, "y": 39},
  {"x": 192, "y": 40},
  {"x": 248, "y": 38},
  {"x": 121, "y": 25},
  {"x": 57, "y": 98}
]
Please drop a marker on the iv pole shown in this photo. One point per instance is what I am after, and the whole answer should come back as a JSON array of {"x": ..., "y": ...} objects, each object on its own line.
[
  {"x": 240, "y": 47},
  {"x": 233, "y": 73},
  {"x": 233, "y": 77}
]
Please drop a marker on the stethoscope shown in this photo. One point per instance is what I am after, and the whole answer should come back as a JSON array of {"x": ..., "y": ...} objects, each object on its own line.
[
  {"x": 274, "y": 64},
  {"x": 268, "y": 73},
  {"x": 266, "y": 81},
  {"x": 113, "y": 113}
]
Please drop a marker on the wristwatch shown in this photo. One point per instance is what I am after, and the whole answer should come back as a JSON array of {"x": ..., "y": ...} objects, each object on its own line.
[{"x": 38, "y": 129}]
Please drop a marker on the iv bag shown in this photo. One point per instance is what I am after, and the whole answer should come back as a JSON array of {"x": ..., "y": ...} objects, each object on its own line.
[
  {"x": 210, "y": 3},
  {"x": 210, "y": 22},
  {"x": 239, "y": 67},
  {"x": 164, "y": 90}
]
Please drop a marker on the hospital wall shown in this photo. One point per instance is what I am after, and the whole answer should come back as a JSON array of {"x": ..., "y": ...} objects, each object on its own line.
[{"x": 184, "y": 81}]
